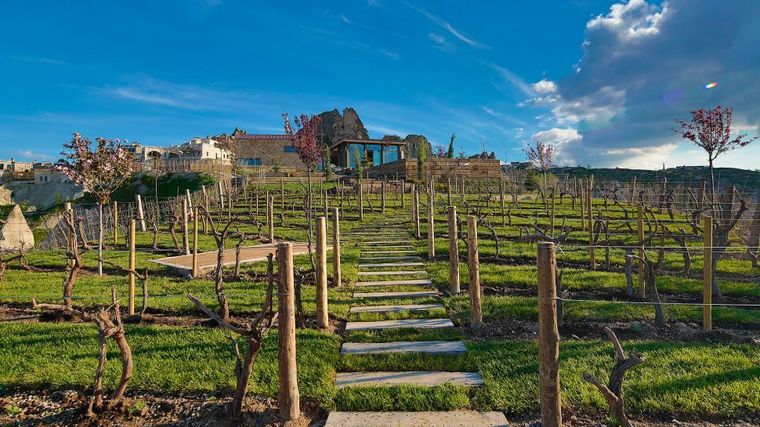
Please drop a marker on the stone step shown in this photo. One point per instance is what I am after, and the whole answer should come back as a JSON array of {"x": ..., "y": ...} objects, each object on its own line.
[
  {"x": 386, "y": 242},
  {"x": 399, "y": 323},
  {"x": 418, "y": 378},
  {"x": 388, "y": 248},
  {"x": 390, "y": 258},
  {"x": 393, "y": 308},
  {"x": 393, "y": 273},
  {"x": 435, "y": 347},
  {"x": 392, "y": 252},
  {"x": 415, "y": 419},
  {"x": 392, "y": 264},
  {"x": 415, "y": 282},
  {"x": 420, "y": 294}
]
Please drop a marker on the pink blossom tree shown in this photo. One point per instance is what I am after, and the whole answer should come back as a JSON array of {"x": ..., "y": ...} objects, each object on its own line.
[
  {"x": 440, "y": 151},
  {"x": 306, "y": 138},
  {"x": 710, "y": 129},
  {"x": 540, "y": 156},
  {"x": 99, "y": 170}
]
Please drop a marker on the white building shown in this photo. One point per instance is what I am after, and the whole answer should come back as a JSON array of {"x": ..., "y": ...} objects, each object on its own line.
[{"x": 195, "y": 149}]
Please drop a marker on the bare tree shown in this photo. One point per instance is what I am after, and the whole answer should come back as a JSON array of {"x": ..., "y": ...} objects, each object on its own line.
[{"x": 252, "y": 334}]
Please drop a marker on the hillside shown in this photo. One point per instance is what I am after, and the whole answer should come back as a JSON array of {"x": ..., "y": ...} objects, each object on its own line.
[{"x": 741, "y": 178}]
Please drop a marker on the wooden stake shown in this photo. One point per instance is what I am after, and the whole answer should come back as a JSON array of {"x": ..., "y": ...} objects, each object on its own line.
[
  {"x": 448, "y": 189},
  {"x": 185, "y": 228},
  {"x": 361, "y": 201},
  {"x": 115, "y": 222},
  {"x": 140, "y": 213},
  {"x": 501, "y": 199},
  {"x": 416, "y": 211},
  {"x": 288, "y": 396},
  {"x": 322, "y": 318},
  {"x": 336, "y": 247},
  {"x": 640, "y": 229},
  {"x": 708, "y": 274},
  {"x": 431, "y": 224},
  {"x": 403, "y": 193},
  {"x": 548, "y": 337},
  {"x": 454, "y": 287},
  {"x": 551, "y": 214},
  {"x": 195, "y": 243},
  {"x": 131, "y": 266},
  {"x": 473, "y": 268},
  {"x": 270, "y": 217},
  {"x": 589, "y": 206},
  {"x": 382, "y": 196}
]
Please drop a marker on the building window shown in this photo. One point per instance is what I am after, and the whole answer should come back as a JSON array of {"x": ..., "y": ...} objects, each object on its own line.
[
  {"x": 249, "y": 162},
  {"x": 289, "y": 149}
]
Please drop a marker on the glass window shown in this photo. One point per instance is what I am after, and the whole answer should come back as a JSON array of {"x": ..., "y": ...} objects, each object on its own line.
[
  {"x": 290, "y": 149},
  {"x": 390, "y": 154}
]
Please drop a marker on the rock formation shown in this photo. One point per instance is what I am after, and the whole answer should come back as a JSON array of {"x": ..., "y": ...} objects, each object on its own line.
[
  {"x": 15, "y": 234},
  {"x": 414, "y": 143},
  {"x": 347, "y": 126}
]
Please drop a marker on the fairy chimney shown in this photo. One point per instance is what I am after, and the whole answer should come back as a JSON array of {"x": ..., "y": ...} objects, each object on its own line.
[{"x": 15, "y": 234}]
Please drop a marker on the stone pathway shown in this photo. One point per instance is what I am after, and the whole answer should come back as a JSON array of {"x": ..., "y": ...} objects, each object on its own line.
[{"x": 387, "y": 259}]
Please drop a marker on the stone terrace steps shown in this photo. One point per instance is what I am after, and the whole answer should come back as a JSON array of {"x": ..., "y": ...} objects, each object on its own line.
[
  {"x": 418, "y": 378},
  {"x": 394, "y": 308},
  {"x": 430, "y": 347},
  {"x": 415, "y": 419},
  {"x": 399, "y": 323}
]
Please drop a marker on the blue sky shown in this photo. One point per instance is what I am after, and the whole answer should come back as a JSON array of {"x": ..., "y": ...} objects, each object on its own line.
[{"x": 603, "y": 81}]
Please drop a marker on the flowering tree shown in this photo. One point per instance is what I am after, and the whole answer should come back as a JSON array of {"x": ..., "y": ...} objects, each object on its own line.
[
  {"x": 99, "y": 170},
  {"x": 541, "y": 157},
  {"x": 440, "y": 151},
  {"x": 306, "y": 138},
  {"x": 710, "y": 129}
]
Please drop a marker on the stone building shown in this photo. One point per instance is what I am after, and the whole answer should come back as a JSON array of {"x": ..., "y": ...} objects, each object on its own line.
[
  {"x": 12, "y": 166},
  {"x": 15, "y": 234},
  {"x": 262, "y": 149}
]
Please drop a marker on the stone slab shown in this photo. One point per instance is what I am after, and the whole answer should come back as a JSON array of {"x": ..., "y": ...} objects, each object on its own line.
[
  {"x": 386, "y": 242},
  {"x": 421, "y": 294},
  {"x": 391, "y": 252},
  {"x": 392, "y": 264},
  {"x": 393, "y": 273},
  {"x": 390, "y": 258},
  {"x": 435, "y": 347},
  {"x": 419, "y": 378},
  {"x": 399, "y": 323},
  {"x": 415, "y": 282},
  {"x": 415, "y": 419},
  {"x": 393, "y": 308}
]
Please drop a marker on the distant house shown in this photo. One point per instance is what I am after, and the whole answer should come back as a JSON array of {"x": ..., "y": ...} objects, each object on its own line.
[
  {"x": 376, "y": 152},
  {"x": 264, "y": 149},
  {"x": 46, "y": 173},
  {"x": 12, "y": 166},
  {"x": 197, "y": 149}
]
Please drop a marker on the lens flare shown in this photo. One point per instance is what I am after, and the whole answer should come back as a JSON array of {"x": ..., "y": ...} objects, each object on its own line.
[{"x": 711, "y": 85}]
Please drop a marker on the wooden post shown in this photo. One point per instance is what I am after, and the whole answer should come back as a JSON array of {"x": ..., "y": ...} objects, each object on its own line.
[
  {"x": 551, "y": 215},
  {"x": 640, "y": 229},
  {"x": 708, "y": 274},
  {"x": 270, "y": 217},
  {"x": 583, "y": 210},
  {"x": 403, "y": 193},
  {"x": 416, "y": 211},
  {"x": 185, "y": 228},
  {"x": 205, "y": 207},
  {"x": 195, "y": 243},
  {"x": 454, "y": 287},
  {"x": 115, "y": 222},
  {"x": 322, "y": 318},
  {"x": 131, "y": 266},
  {"x": 140, "y": 213},
  {"x": 431, "y": 224},
  {"x": 590, "y": 205},
  {"x": 220, "y": 189},
  {"x": 288, "y": 396},
  {"x": 336, "y": 247},
  {"x": 448, "y": 189},
  {"x": 548, "y": 337},
  {"x": 473, "y": 269},
  {"x": 282, "y": 193},
  {"x": 501, "y": 199},
  {"x": 382, "y": 196},
  {"x": 189, "y": 200},
  {"x": 361, "y": 201}
]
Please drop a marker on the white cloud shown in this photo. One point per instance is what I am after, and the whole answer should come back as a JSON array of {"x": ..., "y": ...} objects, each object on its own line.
[
  {"x": 543, "y": 87},
  {"x": 491, "y": 112},
  {"x": 437, "y": 38},
  {"x": 562, "y": 139},
  {"x": 643, "y": 67},
  {"x": 513, "y": 79},
  {"x": 390, "y": 54}
]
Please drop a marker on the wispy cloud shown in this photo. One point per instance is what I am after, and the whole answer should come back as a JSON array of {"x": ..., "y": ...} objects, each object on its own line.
[
  {"x": 513, "y": 79},
  {"x": 390, "y": 54},
  {"x": 36, "y": 60},
  {"x": 437, "y": 20}
]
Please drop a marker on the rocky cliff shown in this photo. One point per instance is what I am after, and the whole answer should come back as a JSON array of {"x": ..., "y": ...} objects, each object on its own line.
[{"x": 346, "y": 126}]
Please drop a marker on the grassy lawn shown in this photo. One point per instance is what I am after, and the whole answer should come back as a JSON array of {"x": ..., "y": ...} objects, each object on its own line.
[{"x": 689, "y": 380}]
